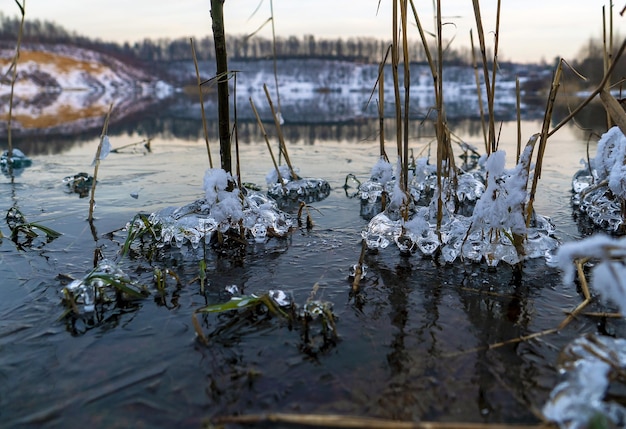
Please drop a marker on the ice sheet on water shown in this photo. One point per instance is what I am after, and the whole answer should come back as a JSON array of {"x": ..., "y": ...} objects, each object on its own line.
[{"x": 588, "y": 366}]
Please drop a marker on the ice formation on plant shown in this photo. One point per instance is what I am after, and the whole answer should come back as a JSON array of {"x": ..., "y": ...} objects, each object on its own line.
[
  {"x": 600, "y": 188},
  {"x": 225, "y": 207},
  {"x": 477, "y": 222},
  {"x": 609, "y": 274},
  {"x": 588, "y": 365}
]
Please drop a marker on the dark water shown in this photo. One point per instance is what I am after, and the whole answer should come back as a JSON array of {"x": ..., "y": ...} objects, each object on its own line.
[{"x": 413, "y": 345}]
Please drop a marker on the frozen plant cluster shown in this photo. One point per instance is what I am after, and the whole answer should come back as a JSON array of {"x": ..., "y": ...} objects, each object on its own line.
[
  {"x": 587, "y": 366},
  {"x": 225, "y": 207},
  {"x": 488, "y": 233},
  {"x": 288, "y": 187},
  {"x": 600, "y": 188},
  {"x": 422, "y": 182},
  {"x": 93, "y": 287}
]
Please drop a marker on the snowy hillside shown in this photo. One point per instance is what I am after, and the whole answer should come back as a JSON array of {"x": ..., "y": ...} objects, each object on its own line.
[{"x": 63, "y": 88}]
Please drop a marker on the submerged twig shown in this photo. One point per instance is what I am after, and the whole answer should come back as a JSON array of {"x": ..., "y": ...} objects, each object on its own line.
[{"x": 343, "y": 421}]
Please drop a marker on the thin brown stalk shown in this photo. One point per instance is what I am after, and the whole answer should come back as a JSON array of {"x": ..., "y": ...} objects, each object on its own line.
[
  {"x": 606, "y": 60},
  {"x": 429, "y": 57},
  {"x": 407, "y": 89},
  {"x": 204, "y": 123},
  {"x": 358, "y": 272},
  {"x": 92, "y": 200},
  {"x": 236, "y": 135},
  {"x": 543, "y": 140},
  {"x": 346, "y": 421},
  {"x": 479, "y": 93},
  {"x": 267, "y": 141},
  {"x": 518, "y": 103},
  {"x": 494, "y": 69},
  {"x": 16, "y": 58},
  {"x": 395, "y": 61},
  {"x": 481, "y": 41},
  {"x": 594, "y": 93},
  {"x": 221, "y": 62},
  {"x": 381, "y": 112},
  {"x": 279, "y": 132}
]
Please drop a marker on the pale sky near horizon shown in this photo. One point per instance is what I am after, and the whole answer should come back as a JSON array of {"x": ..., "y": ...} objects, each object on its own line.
[{"x": 530, "y": 30}]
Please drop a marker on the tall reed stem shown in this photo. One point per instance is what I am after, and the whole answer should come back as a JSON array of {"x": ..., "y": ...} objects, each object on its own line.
[
  {"x": 14, "y": 79},
  {"x": 223, "y": 104}
]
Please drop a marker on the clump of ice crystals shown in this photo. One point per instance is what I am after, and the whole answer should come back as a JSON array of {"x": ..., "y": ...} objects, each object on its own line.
[
  {"x": 588, "y": 365},
  {"x": 600, "y": 188},
  {"x": 87, "y": 290},
  {"x": 294, "y": 187},
  {"x": 483, "y": 234},
  {"x": 223, "y": 208}
]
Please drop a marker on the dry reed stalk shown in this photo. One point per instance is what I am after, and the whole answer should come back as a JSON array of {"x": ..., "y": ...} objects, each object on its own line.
[
  {"x": 594, "y": 93},
  {"x": 407, "y": 90},
  {"x": 279, "y": 132},
  {"x": 381, "y": 111},
  {"x": 92, "y": 200},
  {"x": 494, "y": 68},
  {"x": 606, "y": 58},
  {"x": 543, "y": 140},
  {"x": 358, "y": 272},
  {"x": 481, "y": 40},
  {"x": 221, "y": 62},
  {"x": 518, "y": 106},
  {"x": 395, "y": 61},
  {"x": 346, "y": 421},
  {"x": 204, "y": 123},
  {"x": 585, "y": 289},
  {"x": 13, "y": 80},
  {"x": 479, "y": 92},
  {"x": 267, "y": 142}
]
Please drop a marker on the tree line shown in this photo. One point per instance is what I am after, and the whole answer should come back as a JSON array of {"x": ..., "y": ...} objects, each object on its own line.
[
  {"x": 239, "y": 47},
  {"x": 589, "y": 61}
]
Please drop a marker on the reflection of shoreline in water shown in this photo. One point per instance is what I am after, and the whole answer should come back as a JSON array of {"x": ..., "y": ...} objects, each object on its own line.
[{"x": 178, "y": 117}]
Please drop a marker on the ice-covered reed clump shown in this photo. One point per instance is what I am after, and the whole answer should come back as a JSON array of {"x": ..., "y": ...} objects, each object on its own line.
[
  {"x": 588, "y": 365},
  {"x": 225, "y": 209},
  {"x": 600, "y": 188},
  {"x": 382, "y": 186},
  {"x": 286, "y": 185},
  {"x": 494, "y": 230},
  {"x": 591, "y": 363}
]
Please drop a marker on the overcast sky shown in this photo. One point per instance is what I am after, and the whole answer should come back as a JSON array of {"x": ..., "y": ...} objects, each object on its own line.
[{"x": 530, "y": 30}]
